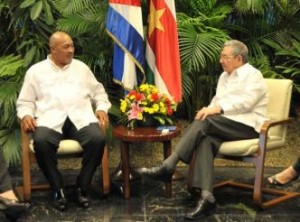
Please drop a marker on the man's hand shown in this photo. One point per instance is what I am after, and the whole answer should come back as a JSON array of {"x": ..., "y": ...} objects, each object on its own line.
[
  {"x": 208, "y": 111},
  {"x": 103, "y": 119},
  {"x": 29, "y": 124}
]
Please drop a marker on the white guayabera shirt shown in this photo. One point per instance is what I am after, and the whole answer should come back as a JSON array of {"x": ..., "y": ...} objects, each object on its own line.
[
  {"x": 51, "y": 94},
  {"x": 243, "y": 96}
]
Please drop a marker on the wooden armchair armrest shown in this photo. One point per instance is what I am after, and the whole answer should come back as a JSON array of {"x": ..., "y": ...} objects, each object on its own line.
[
  {"x": 263, "y": 135},
  {"x": 270, "y": 123}
]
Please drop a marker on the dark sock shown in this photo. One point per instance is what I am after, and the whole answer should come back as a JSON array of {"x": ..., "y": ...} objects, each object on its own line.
[{"x": 171, "y": 162}]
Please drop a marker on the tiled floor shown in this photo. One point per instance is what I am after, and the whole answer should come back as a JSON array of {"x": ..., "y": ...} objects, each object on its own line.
[{"x": 148, "y": 202}]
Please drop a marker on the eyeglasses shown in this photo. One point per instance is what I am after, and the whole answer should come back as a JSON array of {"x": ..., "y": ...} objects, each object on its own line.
[{"x": 226, "y": 57}]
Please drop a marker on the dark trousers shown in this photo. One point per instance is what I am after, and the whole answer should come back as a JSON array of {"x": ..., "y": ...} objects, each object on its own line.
[
  {"x": 46, "y": 141},
  {"x": 5, "y": 180},
  {"x": 205, "y": 138}
]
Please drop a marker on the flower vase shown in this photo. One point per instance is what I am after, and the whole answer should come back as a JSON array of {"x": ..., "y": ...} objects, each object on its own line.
[{"x": 149, "y": 122}]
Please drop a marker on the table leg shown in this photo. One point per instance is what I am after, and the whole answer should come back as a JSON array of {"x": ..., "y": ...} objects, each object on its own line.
[{"x": 125, "y": 168}]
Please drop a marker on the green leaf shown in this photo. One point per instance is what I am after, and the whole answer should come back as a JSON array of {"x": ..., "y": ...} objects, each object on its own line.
[
  {"x": 9, "y": 65},
  {"x": 27, "y": 3},
  {"x": 30, "y": 55},
  {"x": 11, "y": 145},
  {"x": 48, "y": 13},
  {"x": 159, "y": 119},
  {"x": 36, "y": 10}
]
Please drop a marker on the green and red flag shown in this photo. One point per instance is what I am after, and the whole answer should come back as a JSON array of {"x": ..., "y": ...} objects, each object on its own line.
[{"x": 162, "y": 49}]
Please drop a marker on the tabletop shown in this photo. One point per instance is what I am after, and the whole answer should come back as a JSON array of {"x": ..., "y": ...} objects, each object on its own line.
[{"x": 144, "y": 134}]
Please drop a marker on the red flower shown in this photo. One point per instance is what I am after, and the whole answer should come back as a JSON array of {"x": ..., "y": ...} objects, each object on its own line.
[
  {"x": 155, "y": 97},
  {"x": 167, "y": 101},
  {"x": 136, "y": 95},
  {"x": 170, "y": 111},
  {"x": 139, "y": 96}
]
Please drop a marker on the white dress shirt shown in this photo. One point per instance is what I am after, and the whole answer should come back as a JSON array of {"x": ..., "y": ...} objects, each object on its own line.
[
  {"x": 51, "y": 94},
  {"x": 243, "y": 96}
]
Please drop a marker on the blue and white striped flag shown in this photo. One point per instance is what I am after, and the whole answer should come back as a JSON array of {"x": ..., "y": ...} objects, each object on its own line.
[{"x": 124, "y": 25}]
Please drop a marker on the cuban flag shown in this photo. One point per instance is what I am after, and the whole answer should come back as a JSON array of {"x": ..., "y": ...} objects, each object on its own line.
[{"x": 124, "y": 25}]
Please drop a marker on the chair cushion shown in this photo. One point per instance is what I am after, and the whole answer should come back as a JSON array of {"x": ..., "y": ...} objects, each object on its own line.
[
  {"x": 65, "y": 147},
  {"x": 248, "y": 147},
  {"x": 278, "y": 108}
]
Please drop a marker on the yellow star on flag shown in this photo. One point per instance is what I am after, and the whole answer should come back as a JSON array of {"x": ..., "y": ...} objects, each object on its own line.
[{"x": 154, "y": 19}]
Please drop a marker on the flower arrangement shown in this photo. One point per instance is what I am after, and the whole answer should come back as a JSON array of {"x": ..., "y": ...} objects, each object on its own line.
[{"x": 145, "y": 104}]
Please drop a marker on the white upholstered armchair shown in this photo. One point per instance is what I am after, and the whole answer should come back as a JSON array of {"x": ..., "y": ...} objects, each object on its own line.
[{"x": 67, "y": 149}]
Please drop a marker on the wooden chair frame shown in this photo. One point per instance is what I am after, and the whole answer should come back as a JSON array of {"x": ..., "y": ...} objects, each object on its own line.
[
  {"x": 258, "y": 160},
  {"x": 28, "y": 158}
]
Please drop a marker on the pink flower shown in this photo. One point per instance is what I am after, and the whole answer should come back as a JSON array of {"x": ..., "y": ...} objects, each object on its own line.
[{"x": 136, "y": 112}]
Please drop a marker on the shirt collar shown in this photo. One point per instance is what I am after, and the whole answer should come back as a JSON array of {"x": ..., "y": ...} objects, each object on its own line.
[
  {"x": 55, "y": 66},
  {"x": 242, "y": 70}
]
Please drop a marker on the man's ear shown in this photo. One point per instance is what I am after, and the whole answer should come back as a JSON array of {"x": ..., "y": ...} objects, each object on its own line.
[
  {"x": 240, "y": 59},
  {"x": 52, "y": 49}
]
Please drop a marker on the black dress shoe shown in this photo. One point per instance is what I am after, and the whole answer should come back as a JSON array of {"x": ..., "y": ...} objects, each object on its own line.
[
  {"x": 195, "y": 192},
  {"x": 83, "y": 199},
  {"x": 12, "y": 208},
  {"x": 60, "y": 202},
  {"x": 157, "y": 173},
  {"x": 203, "y": 208}
]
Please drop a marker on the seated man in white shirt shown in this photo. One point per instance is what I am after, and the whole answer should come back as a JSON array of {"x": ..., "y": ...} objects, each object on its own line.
[
  {"x": 56, "y": 102},
  {"x": 236, "y": 112}
]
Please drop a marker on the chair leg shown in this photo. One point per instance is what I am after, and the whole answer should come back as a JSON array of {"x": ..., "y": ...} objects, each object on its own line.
[
  {"x": 26, "y": 186},
  {"x": 105, "y": 172},
  {"x": 282, "y": 195},
  {"x": 26, "y": 177},
  {"x": 258, "y": 191},
  {"x": 259, "y": 173}
]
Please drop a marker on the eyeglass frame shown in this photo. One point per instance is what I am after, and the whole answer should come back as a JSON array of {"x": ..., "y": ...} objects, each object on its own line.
[{"x": 226, "y": 57}]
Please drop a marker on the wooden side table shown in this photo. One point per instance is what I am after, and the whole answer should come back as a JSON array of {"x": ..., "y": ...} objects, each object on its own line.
[{"x": 142, "y": 134}]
